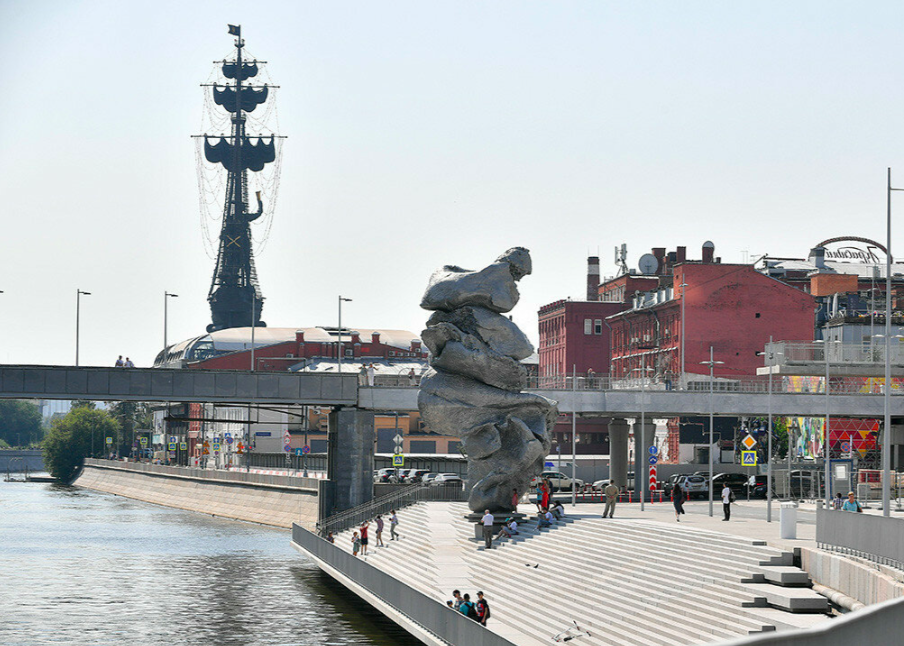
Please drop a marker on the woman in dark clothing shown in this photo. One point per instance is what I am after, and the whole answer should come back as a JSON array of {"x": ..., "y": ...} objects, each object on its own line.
[{"x": 678, "y": 500}]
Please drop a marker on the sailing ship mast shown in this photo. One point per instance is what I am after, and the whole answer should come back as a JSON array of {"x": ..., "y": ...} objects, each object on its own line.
[{"x": 235, "y": 297}]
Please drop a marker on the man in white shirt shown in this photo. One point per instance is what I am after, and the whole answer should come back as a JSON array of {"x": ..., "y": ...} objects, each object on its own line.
[
  {"x": 488, "y": 529},
  {"x": 726, "y": 502}
]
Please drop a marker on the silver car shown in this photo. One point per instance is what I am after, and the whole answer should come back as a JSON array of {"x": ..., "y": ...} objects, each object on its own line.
[{"x": 694, "y": 486}]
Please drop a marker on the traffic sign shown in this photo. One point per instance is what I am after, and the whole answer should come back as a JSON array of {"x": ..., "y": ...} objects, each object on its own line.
[
  {"x": 748, "y": 458},
  {"x": 206, "y": 452},
  {"x": 306, "y": 449},
  {"x": 653, "y": 459},
  {"x": 748, "y": 442},
  {"x": 228, "y": 439},
  {"x": 172, "y": 439},
  {"x": 653, "y": 479},
  {"x": 653, "y": 450},
  {"x": 287, "y": 448},
  {"x": 299, "y": 452},
  {"x": 845, "y": 447},
  {"x": 398, "y": 460},
  {"x": 183, "y": 446},
  {"x": 398, "y": 439},
  {"x": 144, "y": 441},
  {"x": 172, "y": 446},
  {"x": 109, "y": 440},
  {"x": 216, "y": 446}
]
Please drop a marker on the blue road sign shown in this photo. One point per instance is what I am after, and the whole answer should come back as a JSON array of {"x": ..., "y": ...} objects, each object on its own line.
[
  {"x": 398, "y": 460},
  {"x": 306, "y": 449},
  {"x": 653, "y": 459},
  {"x": 228, "y": 439},
  {"x": 653, "y": 450},
  {"x": 299, "y": 452},
  {"x": 748, "y": 458},
  {"x": 172, "y": 446},
  {"x": 287, "y": 448},
  {"x": 172, "y": 439}
]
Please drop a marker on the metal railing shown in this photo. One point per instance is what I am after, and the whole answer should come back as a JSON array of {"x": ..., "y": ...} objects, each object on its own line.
[
  {"x": 383, "y": 505},
  {"x": 430, "y": 615},
  {"x": 875, "y": 538},
  {"x": 839, "y": 354}
]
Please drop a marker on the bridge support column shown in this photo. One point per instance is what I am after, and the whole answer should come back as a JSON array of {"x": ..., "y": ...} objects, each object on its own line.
[
  {"x": 641, "y": 453},
  {"x": 618, "y": 451},
  {"x": 350, "y": 462}
]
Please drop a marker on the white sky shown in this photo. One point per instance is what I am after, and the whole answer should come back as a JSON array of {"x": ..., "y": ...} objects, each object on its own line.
[{"x": 424, "y": 133}]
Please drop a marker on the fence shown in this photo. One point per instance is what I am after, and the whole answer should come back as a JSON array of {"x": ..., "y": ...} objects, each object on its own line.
[
  {"x": 429, "y": 614},
  {"x": 383, "y": 505},
  {"x": 875, "y": 538}
]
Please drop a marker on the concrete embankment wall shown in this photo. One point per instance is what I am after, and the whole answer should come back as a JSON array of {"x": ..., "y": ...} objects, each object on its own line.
[
  {"x": 867, "y": 582},
  {"x": 269, "y": 500},
  {"x": 19, "y": 460}
]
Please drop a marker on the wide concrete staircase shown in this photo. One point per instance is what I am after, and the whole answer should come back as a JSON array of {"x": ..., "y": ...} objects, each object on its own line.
[{"x": 630, "y": 582}]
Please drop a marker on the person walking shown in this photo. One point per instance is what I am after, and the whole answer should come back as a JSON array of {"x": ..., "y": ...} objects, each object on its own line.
[
  {"x": 487, "y": 529},
  {"x": 851, "y": 504},
  {"x": 331, "y": 538},
  {"x": 837, "y": 501},
  {"x": 467, "y": 608},
  {"x": 539, "y": 496},
  {"x": 678, "y": 500},
  {"x": 393, "y": 523},
  {"x": 457, "y": 600},
  {"x": 483, "y": 609},
  {"x": 379, "y": 522},
  {"x": 547, "y": 490},
  {"x": 727, "y": 497},
  {"x": 364, "y": 527},
  {"x": 611, "y": 492},
  {"x": 515, "y": 499}
]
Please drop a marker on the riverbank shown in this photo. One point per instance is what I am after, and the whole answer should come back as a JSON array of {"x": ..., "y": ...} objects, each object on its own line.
[{"x": 267, "y": 499}]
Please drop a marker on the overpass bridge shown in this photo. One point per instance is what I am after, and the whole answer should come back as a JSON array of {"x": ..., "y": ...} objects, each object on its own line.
[{"x": 602, "y": 398}]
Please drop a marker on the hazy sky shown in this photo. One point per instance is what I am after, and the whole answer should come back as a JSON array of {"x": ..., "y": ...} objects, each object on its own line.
[{"x": 424, "y": 133}]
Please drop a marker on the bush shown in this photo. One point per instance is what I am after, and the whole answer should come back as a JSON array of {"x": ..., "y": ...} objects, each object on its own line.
[{"x": 69, "y": 440}]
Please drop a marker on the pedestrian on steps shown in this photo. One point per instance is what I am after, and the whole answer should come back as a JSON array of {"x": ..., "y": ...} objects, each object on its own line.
[
  {"x": 393, "y": 523},
  {"x": 356, "y": 544},
  {"x": 379, "y": 522},
  {"x": 364, "y": 527},
  {"x": 483, "y": 609},
  {"x": 456, "y": 599},
  {"x": 547, "y": 490},
  {"x": 487, "y": 530},
  {"x": 611, "y": 492},
  {"x": 678, "y": 500},
  {"x": 727, "y": 498},
  {"x": 515, "y": 499},
  {"x": 467, "y": 608}
]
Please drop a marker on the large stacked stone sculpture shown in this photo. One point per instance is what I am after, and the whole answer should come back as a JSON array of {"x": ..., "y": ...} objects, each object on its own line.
[{"x": 473, "y": 388}]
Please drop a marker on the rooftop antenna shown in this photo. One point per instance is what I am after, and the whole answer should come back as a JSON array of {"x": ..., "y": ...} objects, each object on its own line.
[{"x": 621, "y": 255}]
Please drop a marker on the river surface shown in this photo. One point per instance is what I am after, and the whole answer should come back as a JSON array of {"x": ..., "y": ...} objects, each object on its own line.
[{"x": 82, "y": 567}]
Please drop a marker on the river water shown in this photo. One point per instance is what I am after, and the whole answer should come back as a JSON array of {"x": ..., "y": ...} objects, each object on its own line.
[{"x": 82, "y": 567}]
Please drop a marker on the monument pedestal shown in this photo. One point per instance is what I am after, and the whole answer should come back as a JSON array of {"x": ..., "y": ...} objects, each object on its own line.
[{"x": 499, "y": 519}]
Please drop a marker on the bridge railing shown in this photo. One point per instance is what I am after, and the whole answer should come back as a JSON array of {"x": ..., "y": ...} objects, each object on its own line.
[
  {"x": 781, "y": 385},
  {"x": 875, "y": 538}
]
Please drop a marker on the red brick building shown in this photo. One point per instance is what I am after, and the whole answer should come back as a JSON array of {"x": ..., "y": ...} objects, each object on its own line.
[
  {"x": 732, "y": 308},
  {"x": 575, "y": 334}
]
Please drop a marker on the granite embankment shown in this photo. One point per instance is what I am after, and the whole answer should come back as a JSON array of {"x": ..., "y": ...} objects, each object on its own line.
[{"x": 259, "y": 498}]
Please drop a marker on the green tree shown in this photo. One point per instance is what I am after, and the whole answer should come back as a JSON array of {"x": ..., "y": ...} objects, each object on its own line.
[
  {"x": 20, "y": 422},
  {"x": 70, "y": 440}
]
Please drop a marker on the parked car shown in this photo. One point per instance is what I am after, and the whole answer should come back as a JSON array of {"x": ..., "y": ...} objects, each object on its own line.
[
  {"x": 558, "y": 480},
  {"x": 694, "y": 485},
  {"x": 600, "y": 485},
  {"x": 415, "y": 475},
  {"x": 670, "y": 483},
  {"x": 804, "y": 485},
  {"x": 737, "y": 482},
  {"x": 756, "y": 485},
  {"x": 444, "y": 479},
  {"x": 404, "y": 473},
  {"x": 428, "y": 478},
  {"x": 386, "y": 475}
]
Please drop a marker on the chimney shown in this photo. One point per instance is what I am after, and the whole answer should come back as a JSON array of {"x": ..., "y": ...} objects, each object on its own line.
[
  {"x": 593, "y": 278},
  {"x": 709, "y": 249},
  {"x": 299, "y": 336},
  {"x": 680, "y": 254},
  {"x": 818, "y": 257},
  {"x": 375, "y": 337}
]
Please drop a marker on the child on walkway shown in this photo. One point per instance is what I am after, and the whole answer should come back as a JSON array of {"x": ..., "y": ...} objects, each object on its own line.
[
  {"x": 356, "y": 544},
  {"x": 379, "y": 522}
]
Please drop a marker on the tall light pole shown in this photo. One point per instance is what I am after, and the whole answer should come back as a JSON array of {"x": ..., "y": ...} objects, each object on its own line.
[
  {"x": 826, "y": 439},
  {"x": 770, "y": 353},
  {"x": 574, "y": 430},
  {"x": 886, "y": 433},
  {"x": 683, "y": 287},
  {"x": 339, "y": 344},
  {"x": 711, "y": 363},
  {"x": 78, "y": 306},
  {"x": 639, "y": 453},
  {"x": 253, "y": 325},
  {"x": 166, "y": 297}
]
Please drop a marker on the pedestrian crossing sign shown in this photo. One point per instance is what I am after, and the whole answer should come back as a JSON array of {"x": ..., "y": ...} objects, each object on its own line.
[
  {"x": 748, "y": 458},
  {"x": 398, "y": 460}
]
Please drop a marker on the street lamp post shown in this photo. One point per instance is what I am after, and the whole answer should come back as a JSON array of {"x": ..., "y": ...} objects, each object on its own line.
[
  {"x": 639, "y": 453},
  {"x": 771, "y": 356},
  {"x": 339, "y": 344},
  {"x": 78, "y": 305},
  {"x": 886, "y": 439},
  {"x": 711, "y": 363},
  {"x": 574, "y": 430},
  {"x": 253, "y": 325},
  {"x": 683, "y": 287},
  {"x": 166, "y": 297},
  {"x": 826, "y": 440}
]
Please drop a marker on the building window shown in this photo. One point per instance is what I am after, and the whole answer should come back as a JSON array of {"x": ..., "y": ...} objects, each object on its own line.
[
  {"x": 598, "y": 326},
  {"x": 588, "y": 326}
]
